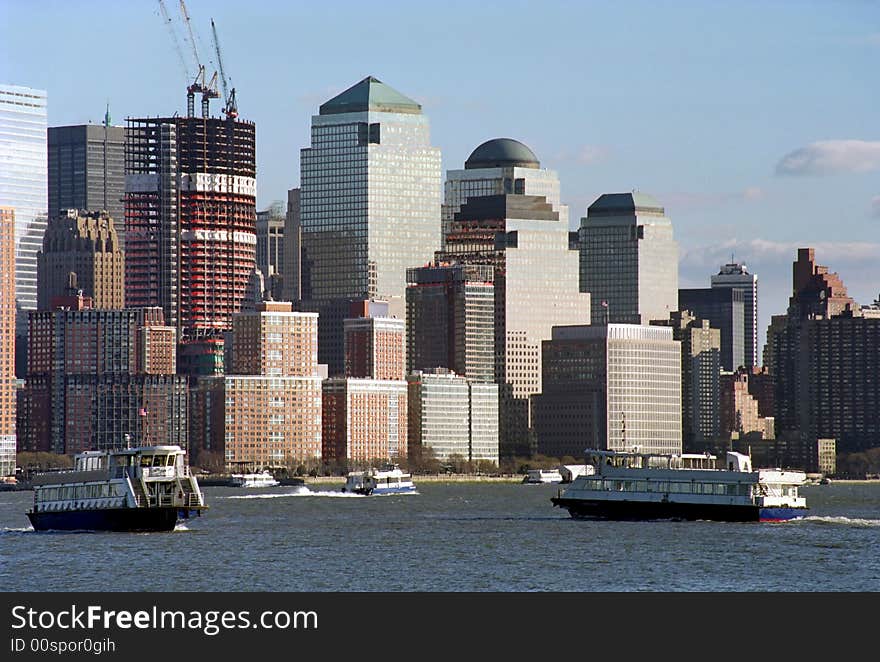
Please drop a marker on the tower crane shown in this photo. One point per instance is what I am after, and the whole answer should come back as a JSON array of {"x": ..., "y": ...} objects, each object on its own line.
[
  {"x": 167, "y": 20},
  {"x": 231, "y": 108},
  {"x": 207, "y": 89}
]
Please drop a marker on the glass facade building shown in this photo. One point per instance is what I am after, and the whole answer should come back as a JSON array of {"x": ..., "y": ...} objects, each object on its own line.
[
  {"x": 611, "y": 387},
  {"x": 628, "y": 259},
  {"x": 369, "y": 202},
  {"x": 23, "y": 183},
  {"x": 87, "y": 171},
  {"x": 500, "y": 166},
  {"x": 535, "y": 279},
  {"x": 735, "y": 275}
]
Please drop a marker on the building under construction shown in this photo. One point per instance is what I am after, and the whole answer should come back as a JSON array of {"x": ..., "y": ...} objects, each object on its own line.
[{"x": 190, "y": 219}]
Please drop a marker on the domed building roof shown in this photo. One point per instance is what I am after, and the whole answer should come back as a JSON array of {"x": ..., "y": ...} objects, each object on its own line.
[{"x": 502, "y": 153}]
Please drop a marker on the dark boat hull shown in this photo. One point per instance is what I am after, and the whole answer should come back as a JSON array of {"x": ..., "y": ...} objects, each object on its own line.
[
  {"x": 656, "y": 510},
  {"x": 110, "y": 519}
]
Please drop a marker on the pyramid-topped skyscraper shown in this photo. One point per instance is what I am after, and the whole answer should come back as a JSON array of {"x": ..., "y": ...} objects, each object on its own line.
[{"x": 370, "y": 204}]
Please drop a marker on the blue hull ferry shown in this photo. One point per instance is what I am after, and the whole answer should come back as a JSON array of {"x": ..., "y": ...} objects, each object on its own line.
[
  {"x": 646, "y": 486},
  {"x": 148, "y": 488}
]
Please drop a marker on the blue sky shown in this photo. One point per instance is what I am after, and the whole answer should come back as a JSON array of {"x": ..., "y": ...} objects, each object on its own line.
[{"x": 754, "y": 123}]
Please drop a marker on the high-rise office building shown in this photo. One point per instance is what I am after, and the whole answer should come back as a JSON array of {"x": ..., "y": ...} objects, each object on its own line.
[
  {"x": 7, "y": 342},
  {"x": 450, "y": 319},
  {"x": 85, "y": 244},
  {"x": 614, "y": 387},
  {"x": 369, "y": 205},
  {"x": 267, "y": 411},
  {"x": 270, "y": 248},
  {"x": 522, "y": 238},
  {"x": 23, "y": 186},
  {"x": 724, "y": 309},
  {"x": 700, "y": 373},
  {"x": 190, "y": 218},
  {"x": 87, "y": 170},
  {"x": 735, "y": 275},
  {"x": 290, "y": 267},
  {"x": 628, "y": 259},
  {"x": 452, "y": 416},
  {"x": 825, "y": 358},
  {"x": 500, "y": 166}
]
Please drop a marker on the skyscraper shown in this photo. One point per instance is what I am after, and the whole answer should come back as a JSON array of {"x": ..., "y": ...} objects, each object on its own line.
[
  {"x": 736, "y": 275},
  {"x": 500, "y": 166},
  {"x": 700, "y": 373},
  {"x": 86, "y": 244},
  {"x": 522, "y": 238},
  {"x": 370, "y": 204},
  {"x": 190, "y": 210},
  {"x": 450, "y": 319},
  {"x": 87, "y": 170},
  {"x": 7, "y": 341},
  {"x": 724, "y": 309},
  {"x": 628, "y": 259},
  {"x": 23, "y": 185},
  {"x": 270, "y": 247},
  {"x": 825, "y": 361},
  {"x": 611, "y": 387}
]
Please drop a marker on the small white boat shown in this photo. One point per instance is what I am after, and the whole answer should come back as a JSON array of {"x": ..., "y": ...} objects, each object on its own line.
[
  {"x": 387, "y": 480},
  {"x": 538, "y": 476},
  {"x": 260, "y": 479}
]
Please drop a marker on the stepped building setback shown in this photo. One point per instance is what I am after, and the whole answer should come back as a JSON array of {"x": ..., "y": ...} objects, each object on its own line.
[
  {"x": 85, "y": 244},
  {"x": 535, "y": 277},
  {"x": 824, "y": 360},
  {"x": 369, "y": 205}
]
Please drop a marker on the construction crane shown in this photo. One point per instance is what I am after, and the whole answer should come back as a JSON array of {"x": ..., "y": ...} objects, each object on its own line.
[
  {"x": 208, "y": 89},
  {"x": 231, "y": 107},
  {"x": 167, "y": 20}
]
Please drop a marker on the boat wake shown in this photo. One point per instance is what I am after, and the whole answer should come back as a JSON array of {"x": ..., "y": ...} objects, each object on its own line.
[
  {"x": 180, "y": 526},
  {"x": 857, "y": 522},
  {"x": 12, "y": 530},
  {"x": 300, "y": 491}
]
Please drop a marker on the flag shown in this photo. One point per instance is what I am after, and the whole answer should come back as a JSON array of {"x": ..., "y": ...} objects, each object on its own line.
[{"x": 142, "y": 412}]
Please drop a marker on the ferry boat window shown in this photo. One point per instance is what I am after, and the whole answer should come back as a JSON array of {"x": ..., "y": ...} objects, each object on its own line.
[
  {"x": 169, "y": 460},
  {"x": 158, "y": 461}
]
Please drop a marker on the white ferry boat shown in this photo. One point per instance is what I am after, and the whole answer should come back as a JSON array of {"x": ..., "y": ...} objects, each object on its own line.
[
  {"x": 258, "y": 479},
  {"x": 645, "y": 486},
  {"x": 389, "y": 479},
  {"x": 147, "y": 488},
  {"x": 537, "y": 476}
]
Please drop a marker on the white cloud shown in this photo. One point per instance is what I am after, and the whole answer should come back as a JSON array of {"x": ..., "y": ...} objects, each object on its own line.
[{"x": 831, "y": 156}]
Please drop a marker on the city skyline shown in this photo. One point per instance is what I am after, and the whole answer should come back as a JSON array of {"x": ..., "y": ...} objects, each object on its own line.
[{"x": 715, "y": 110}]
